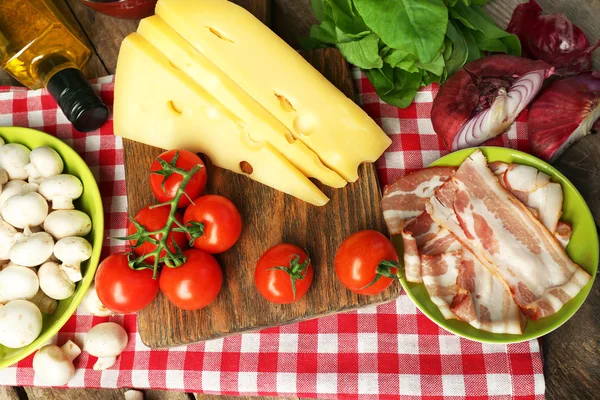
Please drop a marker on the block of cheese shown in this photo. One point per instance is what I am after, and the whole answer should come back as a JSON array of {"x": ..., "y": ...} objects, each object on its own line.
[
  {"x": 261, "y": 125},
  {"x": 158, "y": 104},
  {"x": 275, "y": 75}
]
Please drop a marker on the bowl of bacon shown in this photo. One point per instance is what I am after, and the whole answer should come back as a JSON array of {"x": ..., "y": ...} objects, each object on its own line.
[{"x": 498, "y": 245}]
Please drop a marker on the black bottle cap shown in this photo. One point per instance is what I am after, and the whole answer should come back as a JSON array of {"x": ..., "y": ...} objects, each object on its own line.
[{"x": 78, "y": 100}]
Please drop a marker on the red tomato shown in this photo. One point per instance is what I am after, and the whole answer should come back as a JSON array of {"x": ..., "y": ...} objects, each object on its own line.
[
  {"x": 154, "y": 219},
  {"x": 283, "y": 274},
  {"x": 186, "y": 160},
  {"x": 366, "y": 262},
  {"x": 122, "y": 289},
  {"x": 221, "y": 223},
  {"x": 195, "y": 284}
]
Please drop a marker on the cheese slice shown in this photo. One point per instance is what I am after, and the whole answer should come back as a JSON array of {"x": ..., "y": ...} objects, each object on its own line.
[
  {"x": 276, "y": 76},
  {"x": 157, "y": 104},
  {"x": 260, "y": 123}
]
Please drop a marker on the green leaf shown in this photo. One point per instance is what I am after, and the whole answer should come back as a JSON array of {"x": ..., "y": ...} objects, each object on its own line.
[
  {"x": 324, "y": 33},
  {"x": 416, "y": 26},
  {"x": 318, "y": 9},
  {"x": 309, "y": 43},
  {"x": 461, "y": 15},
  {"x": 401, "y": 59},
  {"x": 472, "y": 47},
  {"x": 363, "y": 53},
  {"x": 436, "y": 66},
  {"x": 395, "y": 86},
  {"x": 460, "y": 52},
  {"x": 343, "y": 15}
]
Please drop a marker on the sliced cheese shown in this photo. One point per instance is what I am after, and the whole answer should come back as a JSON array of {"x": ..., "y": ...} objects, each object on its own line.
[
  {"x": 157, "y": 104},
  {"x": 260, "y": 123},
  {"x": 276, "y": 76}
]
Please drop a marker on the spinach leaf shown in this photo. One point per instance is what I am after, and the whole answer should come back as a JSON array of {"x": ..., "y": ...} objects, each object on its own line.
[
  {"x": 401, "y": 59},
  {"x": 436, "y": 66},
  {"x": 472, "y": 47},
  {"x": 363, "y": 53},
  {"x": 394, "y": 85},
  {"x": 460, "y": 50},
  {"x": 343, "y": 15},
  {"x": 417, "y": 26},
  {"x": 318, "y": 9}
]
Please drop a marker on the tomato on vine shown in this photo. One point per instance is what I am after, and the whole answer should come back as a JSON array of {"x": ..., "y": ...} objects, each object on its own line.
[
  {"x": 366, "y": 262},
  {"x": 283, "y": 274},
  {"x": 164, "y": 182}
]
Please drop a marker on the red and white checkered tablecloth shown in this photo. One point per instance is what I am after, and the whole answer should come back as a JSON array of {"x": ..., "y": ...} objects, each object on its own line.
[{"x": 391, "y": 351}]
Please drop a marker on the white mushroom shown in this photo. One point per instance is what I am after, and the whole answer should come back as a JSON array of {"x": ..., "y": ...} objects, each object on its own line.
[
  {"x": 31, "y": 249},
  {"x": 17, "y": 283},
  {"x": 93, "y": 305},
  {"x": 72, "y": 251},
  {"x": 54, "y": 282},
  {"x": 61, "y": 190},
  {"x": 16, "y": 187},
  {"x": 63, "y": 223},
  {"x": 21, "y": 323},
  {"x": 133, "y": 394},
  {"x": 25, "y": 210},
  {"x": 45, "y": 162},
  {"x": 46, "y": 304},
  {"x": 106, "y": 341},
  {"x": 13, "y": 158},
  {"x": 54, "y": 365},
  {"x": 7, "y": 239},
  {"x": 3, "y": 176}
]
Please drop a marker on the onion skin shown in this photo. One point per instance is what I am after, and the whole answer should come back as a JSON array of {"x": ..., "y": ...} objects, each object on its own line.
[
  {"x": 473, "y": 88},
  {"x": 564, "y": 113},
  {"x": 552, "y": 38}
]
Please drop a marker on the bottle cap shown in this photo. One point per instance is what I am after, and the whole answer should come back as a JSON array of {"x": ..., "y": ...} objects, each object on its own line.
[{"x": 78, "y": 100}]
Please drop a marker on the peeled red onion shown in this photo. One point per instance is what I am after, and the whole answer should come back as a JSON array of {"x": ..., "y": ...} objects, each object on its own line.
[
  {"x": 482, "y": 100},
  {"x": 565, "y": 112}
]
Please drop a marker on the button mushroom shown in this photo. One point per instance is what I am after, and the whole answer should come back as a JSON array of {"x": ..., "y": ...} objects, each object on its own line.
[
  {"x": 45, "y": 162},
  {"x": 46, "y": 304},
  {"x": 133, "y": 394},
  {"x": 54, "y": 282},
  {"x": 54, "y": 365},
  {"x": 16, "y": 187},
  {"x": 105, "y": 341},
  {"x": 24, "y": 210},
  {"x": 13, "y": 158},
  {"x": 63, "y": 223},
  {"x": 21, "y": 323},
  {"x": 7, "y": 239},
  {"x": 61, "y": 190},
  {"x": 31, "y": 249},
  {"x": 17, "y": 283},
  {"x": 93, "y": 305},
  {"x": 3, "y": 176},
  {"x": 72, "y": 251}
]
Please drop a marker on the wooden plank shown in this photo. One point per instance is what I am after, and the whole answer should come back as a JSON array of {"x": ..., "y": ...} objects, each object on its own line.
[
  {"x": 293, "y": 19},
  {"x": 8, "y": 393},
  {"x": 38, "y": 393}
]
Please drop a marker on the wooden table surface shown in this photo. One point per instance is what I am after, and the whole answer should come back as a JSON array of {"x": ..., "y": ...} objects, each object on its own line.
[{"x": 571, "y": 353}]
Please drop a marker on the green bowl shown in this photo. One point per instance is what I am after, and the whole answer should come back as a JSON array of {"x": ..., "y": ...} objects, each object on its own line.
[
  {"x": 583, "y": 249},
  {"x": 91, "y": 203}
]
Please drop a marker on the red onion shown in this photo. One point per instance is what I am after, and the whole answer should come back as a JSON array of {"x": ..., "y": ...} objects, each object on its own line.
[
  {"x": 551, "y": 38},
  {"x": 482, "y": 100},
  {"x": 564, "y": 113}
]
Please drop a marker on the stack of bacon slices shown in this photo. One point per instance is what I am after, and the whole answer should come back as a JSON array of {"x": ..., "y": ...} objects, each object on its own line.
[{"x": 486, "y": 240}]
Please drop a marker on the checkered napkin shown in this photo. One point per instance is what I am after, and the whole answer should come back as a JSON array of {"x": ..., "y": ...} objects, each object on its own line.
[{"x": 391, "y": 351}]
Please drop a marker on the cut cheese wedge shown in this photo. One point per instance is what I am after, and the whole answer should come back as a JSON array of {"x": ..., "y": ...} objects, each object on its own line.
[
  {"x": 157, "y": 104},
  {"x": 261, "y": 125},
  {"x": 276, "y": 76}
]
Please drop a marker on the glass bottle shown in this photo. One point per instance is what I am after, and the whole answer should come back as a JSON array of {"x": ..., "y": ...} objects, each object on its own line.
[{"x": 39, "y": 48}]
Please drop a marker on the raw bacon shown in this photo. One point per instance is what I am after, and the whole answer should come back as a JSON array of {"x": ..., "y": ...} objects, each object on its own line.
[
  {"x": 405, "y": 199},
  {"x": 507, "y": 238},
  {"x": 439, "y": 276}
]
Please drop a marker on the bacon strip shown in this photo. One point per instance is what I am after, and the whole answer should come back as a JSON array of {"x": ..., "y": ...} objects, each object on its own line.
[
  {"x": 507, "y": 239},
  {"x": 439, "y": 276}
]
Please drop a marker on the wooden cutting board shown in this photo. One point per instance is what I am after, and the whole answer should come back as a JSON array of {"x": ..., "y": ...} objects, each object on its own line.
[{"x": 269, "y": 217}]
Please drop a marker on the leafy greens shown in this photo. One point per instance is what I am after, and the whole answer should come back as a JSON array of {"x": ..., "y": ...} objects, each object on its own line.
[{"x": 402, "y": 45}]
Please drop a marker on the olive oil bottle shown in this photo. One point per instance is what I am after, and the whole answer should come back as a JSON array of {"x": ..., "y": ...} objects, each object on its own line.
[{"x": 39, "y": 48}]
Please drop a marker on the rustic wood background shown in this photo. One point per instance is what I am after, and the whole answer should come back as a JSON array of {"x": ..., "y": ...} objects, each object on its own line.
[{"x": 571, "y": 354}]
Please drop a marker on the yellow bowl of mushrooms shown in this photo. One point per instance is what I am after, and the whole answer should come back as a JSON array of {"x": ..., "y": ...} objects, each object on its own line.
[{"x": 51, "y": 236}]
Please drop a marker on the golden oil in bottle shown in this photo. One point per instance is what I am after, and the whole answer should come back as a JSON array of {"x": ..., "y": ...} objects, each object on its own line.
[{"x": 39, "y": 48}]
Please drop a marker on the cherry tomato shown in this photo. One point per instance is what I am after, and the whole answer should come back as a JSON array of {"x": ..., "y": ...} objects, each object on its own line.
[
  {"x": 195, "y": 284},
  {"x": 186, "y": 160},
  {"x": 215, "y": 223},
  {"x": 283, "y": 274},
  {"x": 154, "y": 219},
  {"x": 366, "y": 262},
  {"x": 122, "y": 289}
]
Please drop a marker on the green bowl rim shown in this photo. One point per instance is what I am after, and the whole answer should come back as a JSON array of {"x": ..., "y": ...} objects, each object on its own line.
[
  {"x": 522, "y": 337},
  {"x": 98, "y": 239}
]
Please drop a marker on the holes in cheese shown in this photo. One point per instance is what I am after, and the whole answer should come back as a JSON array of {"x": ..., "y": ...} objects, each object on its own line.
[
  {"x": 218, "y": 34},
  {"x": 285, "y": 103},
  {"x": 246, "y": 167},
  {"x": 146, "y": 83},
  {"x": 260, "y": 125},
  {"x": 173, "y": 108},
  {"x": 258, "y": 61},
  {"x": 290, "y": 138}
]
